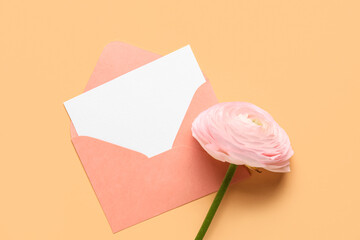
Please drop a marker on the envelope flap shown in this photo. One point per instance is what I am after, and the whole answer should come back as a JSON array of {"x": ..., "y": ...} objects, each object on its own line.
[{"x": 117, "y": 59}]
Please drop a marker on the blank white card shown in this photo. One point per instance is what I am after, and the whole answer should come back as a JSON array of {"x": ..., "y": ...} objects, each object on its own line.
[{"x": 141, "y": 110}]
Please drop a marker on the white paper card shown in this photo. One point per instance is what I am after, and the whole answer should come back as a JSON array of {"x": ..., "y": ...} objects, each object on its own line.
[{"x": 141, "y": 110}]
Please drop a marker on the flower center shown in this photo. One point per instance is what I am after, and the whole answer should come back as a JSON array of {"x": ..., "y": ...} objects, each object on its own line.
[
  {"x": 257, "y": 122},
  {"x": 245, "y": 118}
]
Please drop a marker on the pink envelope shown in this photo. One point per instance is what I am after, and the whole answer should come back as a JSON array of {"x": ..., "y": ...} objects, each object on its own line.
[{"x": 132, "y": 187}]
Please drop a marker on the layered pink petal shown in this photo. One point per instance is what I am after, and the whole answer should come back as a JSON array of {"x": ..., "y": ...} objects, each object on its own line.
[{"x": 243, "y": 134}]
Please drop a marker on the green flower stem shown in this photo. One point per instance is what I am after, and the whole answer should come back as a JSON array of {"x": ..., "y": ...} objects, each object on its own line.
[{"x": 215, "y": 204}]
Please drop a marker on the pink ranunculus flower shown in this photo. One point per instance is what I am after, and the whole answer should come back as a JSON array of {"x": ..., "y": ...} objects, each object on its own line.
[{"x": 243, "y": 134}]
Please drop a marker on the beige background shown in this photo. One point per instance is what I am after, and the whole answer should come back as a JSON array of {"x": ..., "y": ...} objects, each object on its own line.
[{"x": 297, "y": 59}]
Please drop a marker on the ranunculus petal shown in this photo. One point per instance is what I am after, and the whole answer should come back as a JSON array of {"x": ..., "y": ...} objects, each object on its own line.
[{"x": 243, "y": 134}]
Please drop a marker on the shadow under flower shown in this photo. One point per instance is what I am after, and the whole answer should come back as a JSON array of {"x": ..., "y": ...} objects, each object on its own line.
[{"x": 258, "y": 188}]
